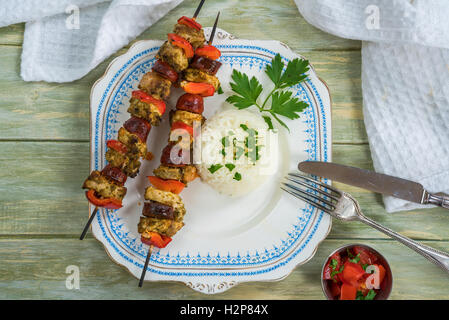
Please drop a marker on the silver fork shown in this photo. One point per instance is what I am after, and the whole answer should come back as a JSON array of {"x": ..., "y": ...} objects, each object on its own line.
[{"x": 343, "y": 206}]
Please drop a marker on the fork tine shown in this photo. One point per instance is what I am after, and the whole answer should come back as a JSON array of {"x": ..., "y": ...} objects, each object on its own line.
[
  {"x": 314, "y": 204},
  {"x": 330, "y": 204},
  {"x": 326, "y": 186},
  {"x": 307, "y": 185}
]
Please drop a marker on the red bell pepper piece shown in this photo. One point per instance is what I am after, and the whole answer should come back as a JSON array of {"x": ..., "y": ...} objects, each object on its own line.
[
  {"x": 208, "y": 51},
  {"x": 352, "y": 273},
  {"x": 108, "y": 203},
  {"x": 156, "y": 239},
  {"x": 181, "y": 43},
  {"x": 174, "y": 186},
  {"x": 117, "y": 146},
  {"x": 144, "y": 97},
  {"x": 189, "y": 22},
  {"x": 181, "y": 125},
  {"x": 203, "y": 89},
  {"x": 348, "y": 292}
]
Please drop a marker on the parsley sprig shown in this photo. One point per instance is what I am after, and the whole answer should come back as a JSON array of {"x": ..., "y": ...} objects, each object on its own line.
[
  {"x": 369, "y": 296},
  {"x": 282, "y": 103}
]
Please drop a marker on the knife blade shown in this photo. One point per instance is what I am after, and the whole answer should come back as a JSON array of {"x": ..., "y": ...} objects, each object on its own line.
[{"x": 366, "y": 179}]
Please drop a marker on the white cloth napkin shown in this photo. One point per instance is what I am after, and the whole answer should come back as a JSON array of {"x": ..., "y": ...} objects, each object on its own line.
[
  {"x": 56, "y": 48},
  {"x": 405, "y": 82}
]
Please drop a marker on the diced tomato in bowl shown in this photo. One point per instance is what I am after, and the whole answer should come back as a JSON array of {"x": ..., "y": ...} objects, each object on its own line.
[{"x": 356, "y": 272}]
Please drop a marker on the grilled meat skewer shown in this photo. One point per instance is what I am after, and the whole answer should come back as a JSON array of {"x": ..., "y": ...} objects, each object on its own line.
[
  {"x": 168, "y": 54},
  {"x": 105, "y": 188},
  {"x": 163, "y": 211}
]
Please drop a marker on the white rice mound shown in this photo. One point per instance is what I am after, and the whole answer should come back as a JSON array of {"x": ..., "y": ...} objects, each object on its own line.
[{"x": 253, "y": 174}]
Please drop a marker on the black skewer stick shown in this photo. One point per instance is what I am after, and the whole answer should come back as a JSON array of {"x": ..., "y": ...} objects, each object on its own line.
[
  {"x": 144, "y": 270},
  {"x": 89, "y": 222},
  {"x": 212, "y": 34},
  {"x": 197, "y": 11}
]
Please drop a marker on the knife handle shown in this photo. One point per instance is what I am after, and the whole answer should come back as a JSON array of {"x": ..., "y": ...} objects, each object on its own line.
[{"x": 438, "y": 199}]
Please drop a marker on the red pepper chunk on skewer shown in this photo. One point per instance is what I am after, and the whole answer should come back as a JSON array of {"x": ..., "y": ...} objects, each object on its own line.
[
  {"x": 189, "y": 22},
  {"x": 117, "y": 146},
  {"x": 144, "y": 97},
  {"x": 208, "y": 51},
  {"x": 173, "y": 186},
  {"x": 203, "y": 89},
  {"x": 108, "y": 203},
  {"x": 182, "y": 126},
  {"x": 181, "y": 43},
  {"x": 156, "y": 239}
]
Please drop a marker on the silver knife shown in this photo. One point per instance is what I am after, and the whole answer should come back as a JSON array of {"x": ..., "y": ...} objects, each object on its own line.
[{"x": 376, "y": 182}]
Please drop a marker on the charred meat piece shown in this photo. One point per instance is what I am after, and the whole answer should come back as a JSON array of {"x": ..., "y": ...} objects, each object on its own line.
[
  {"x": 191, "y": 102},
  {"x": 165, "y": 70},
  {"x": 139, "y": 127},
  {"x": 205, "y": 64},
  {"x": 147, "y": 111},
  {"x": 176, "y": 154},
  {"x": 184, "y": 174},
  {"x": 195, "y": 37},
  {"x": 103, "y": 187},
  {"x": 185, "y": 116},
  {"x": 174, "y": 56},
  {"x": 156, "y": 85},
  {"x": 153, "y": 209},
  {"x": 135, "y": 146},
  {"x": 195, "y": 75},
  {"x": 114, "y": 174},
  {"x": 165, "y": 227},
  {"x": 167, "y": 198}
]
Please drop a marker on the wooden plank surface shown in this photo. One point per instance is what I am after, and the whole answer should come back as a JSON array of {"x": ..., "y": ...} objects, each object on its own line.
[
  {"x": 37, "y": 269},
  {"x": 44, "y": 134}
]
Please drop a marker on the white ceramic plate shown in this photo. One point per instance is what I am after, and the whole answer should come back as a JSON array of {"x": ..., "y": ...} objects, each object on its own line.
[{"x": 259, "y": 237}]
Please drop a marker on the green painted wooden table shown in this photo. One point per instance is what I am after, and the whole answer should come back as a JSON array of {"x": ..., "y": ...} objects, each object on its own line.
[{"x": 44, "y": 144}]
